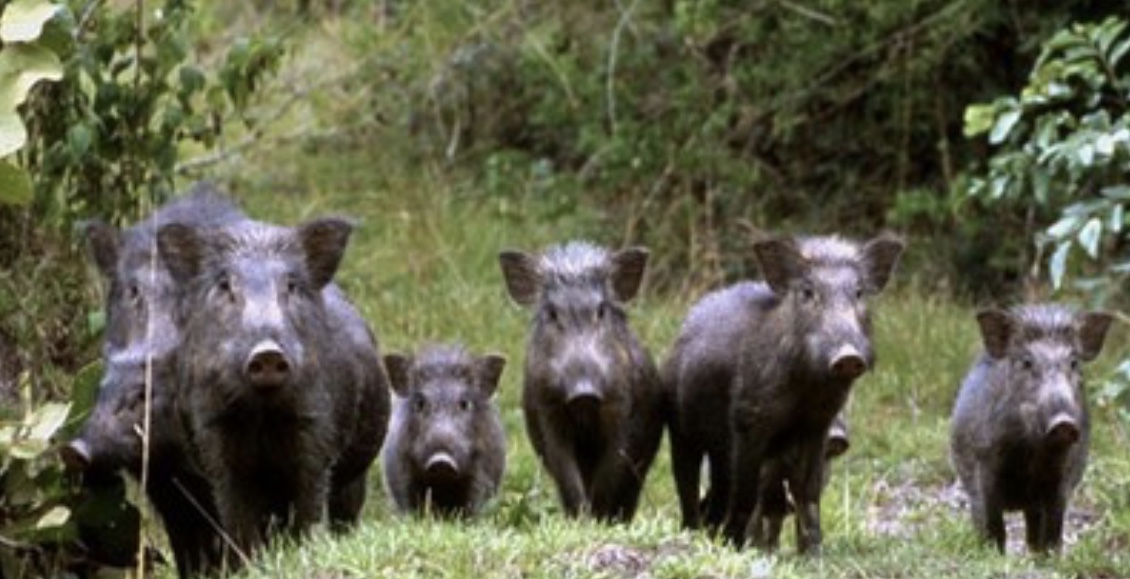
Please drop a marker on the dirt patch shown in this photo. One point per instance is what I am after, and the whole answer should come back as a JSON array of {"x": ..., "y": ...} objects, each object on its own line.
[{"x": 903, "y": 509}]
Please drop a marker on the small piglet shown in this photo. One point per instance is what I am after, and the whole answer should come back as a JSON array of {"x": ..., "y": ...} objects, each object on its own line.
[
  {"x": 446, "y": 448},
  {"x": 1020, "y": 427}
]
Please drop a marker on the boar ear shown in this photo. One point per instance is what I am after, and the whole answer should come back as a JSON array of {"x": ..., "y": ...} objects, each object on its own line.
[
  {"x": 996, "y": 327},
  {"x": 780, "y": 262},
  {"x": 324, "y": 241},
  {"x": 489, "y": 370},
  {"x": 396, "y": 365},
  {"x": 880, "y": 257},
  {"x": 181, "y": 248},
  {"x": 522, "y": 275},
  {"x": 1092, "y": 333},
  {"x": 103, "y": 241},
  {"x": 628, "y": 266}
]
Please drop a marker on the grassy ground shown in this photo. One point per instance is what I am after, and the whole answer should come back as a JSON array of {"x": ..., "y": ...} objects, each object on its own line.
[{"x": 422, "y": 266}]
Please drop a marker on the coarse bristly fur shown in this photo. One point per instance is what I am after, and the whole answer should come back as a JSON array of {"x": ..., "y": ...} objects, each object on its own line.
[
  {"x": 140, "y": 340},
  {"x": 802, "y": 338},
  {"x": 444, "y": 413},
  {"x": 1021, "y": 426},
  {"x": 278, "y": 454},
  {"x": 591, "y": 398}
]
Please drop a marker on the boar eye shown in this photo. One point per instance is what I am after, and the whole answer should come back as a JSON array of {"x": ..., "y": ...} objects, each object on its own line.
[
  {"x": 133, "y": 291},
  {"x": 1027, "y": 363},
  {"x": 418, "y": 403},
  {"x": 1075, "y": 364},
  {"x": 224, "y": 285},
  {"x": 807, "y": 294},
  {"x": 601, "y": 312},
  {"x": 551, "y": 314},
  {"x": 465, "y": 404}
]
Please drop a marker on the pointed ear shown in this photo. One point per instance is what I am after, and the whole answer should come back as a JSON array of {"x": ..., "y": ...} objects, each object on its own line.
[
  {"x": 996, "y": 328},
  {"x": 1092, "y": 333},
  {"x": 324, "y": 241},
  {"x": 182, "y": 249},
  {"x": 489, "y": 370},
  {"x": 880, "y": 257},
  {"x": 522, "y": 275},
  {"x": 780, "y": 262},
  {"x": 397, "y": 365},
  {"x": 628, "y": 266},
  {"x": 103, "y": 241}
]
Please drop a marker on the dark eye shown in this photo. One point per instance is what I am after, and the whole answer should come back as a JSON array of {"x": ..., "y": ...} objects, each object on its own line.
[
  {"x": 551, "y": 314},
  {"x": 291, "y": 285},
  {"x": 418, "y": 403},
  {"x": 601, "y": 312},
  {"x": 1027, "y": 363},
  {"x": 807, "y": 294},
  {"x": 1076, "y": 365},
  {"x": 224, "y": 285},
  {"x": 859, "y": 293},
  {"x": 465, "y": 404}
]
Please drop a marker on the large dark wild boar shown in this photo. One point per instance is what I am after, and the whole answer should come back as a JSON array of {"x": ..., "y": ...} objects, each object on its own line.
[
  {"x": 592, "y": 400},
  {"x": 446, "y": 448},
  {"x": 1021, "y": 428},
  {"x": 809, "y": 339},
  {"x": 139, "y": 341},
  {"x": 699, "y": 373},
  {"x": 280, "y": 387}
]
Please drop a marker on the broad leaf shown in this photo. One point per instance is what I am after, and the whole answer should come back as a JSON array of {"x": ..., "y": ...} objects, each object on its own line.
[
  {"x": 23, "y": 20},
  {"x": 1005, "y": 122},
  {"x": 15, "y": 184},
  {"x": 1089, "y": 237},
  {"x": 13, "y": 134},
  {"x": 47, "y": 419},
  {"x": 21, "y": 67},
  {"x": 1057, "y": 264},
  {"x": 56, "y": 517}
]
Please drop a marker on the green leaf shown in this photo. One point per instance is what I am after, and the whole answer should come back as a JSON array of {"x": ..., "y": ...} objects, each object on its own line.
[
  {"x": 13, "y": 134},
  {"x": 1115, "y": 220},
  {"x": 15, "y": 184},
  {"x": 978, "y": 119},
  {"x": 1062, "y": 228},
  {"x": 1005, "y": 122},
  {"x": 1089, "y": 236},
  {"x": 56, "y": 517},
  {"x": 21, "y": 67},
  {"x": 1118, "y": 52},
  {"x": 1057, "y": 264},
  {"x": 47, "y": 419},
  {"x": 23, "y": 20},
  {"x": 1117, "y": 192}
]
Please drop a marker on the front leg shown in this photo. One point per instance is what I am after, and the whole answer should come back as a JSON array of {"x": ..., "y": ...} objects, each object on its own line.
[
  {"x": 242, "y": 516},
  {"x": 1043, "y": 524},
  {"x": 310, "y": 501},
  {"x": 561, "y": 462},
  {"x": 988, "y": 513},
  {"x": 807, "y": 484},
  {"x": 750, "y": 439}
]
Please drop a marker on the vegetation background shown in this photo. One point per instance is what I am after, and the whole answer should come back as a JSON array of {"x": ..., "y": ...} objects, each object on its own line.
[{"x": 991, "y": 134}]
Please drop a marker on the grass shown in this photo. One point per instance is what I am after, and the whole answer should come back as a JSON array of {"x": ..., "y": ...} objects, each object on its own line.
[{"x": 422, "y": 266}]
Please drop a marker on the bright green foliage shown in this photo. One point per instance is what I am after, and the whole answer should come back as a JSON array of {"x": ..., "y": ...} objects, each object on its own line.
[
  {"x": 23, "y": 63},
  {"x": 41, "y": 515},
  {"x": 1064, "y": 143}
]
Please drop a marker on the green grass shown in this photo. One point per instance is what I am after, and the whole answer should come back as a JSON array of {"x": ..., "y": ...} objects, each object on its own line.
[{"x": 422, "y": 266}]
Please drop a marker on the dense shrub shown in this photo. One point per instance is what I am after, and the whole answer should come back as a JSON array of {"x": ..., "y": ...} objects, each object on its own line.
[{"x": 696, "y": 122}]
